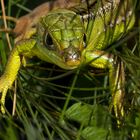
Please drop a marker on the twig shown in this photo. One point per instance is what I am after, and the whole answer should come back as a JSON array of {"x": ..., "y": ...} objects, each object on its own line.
[
  {"x": 5, "y": 23},
  {"x": 8, "y": 30},
  {"x": 15, "y": 97},
  {"x": 13, "y": 19}
]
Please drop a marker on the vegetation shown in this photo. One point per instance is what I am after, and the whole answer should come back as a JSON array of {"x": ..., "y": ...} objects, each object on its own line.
[{"x": 52, "y": 103}]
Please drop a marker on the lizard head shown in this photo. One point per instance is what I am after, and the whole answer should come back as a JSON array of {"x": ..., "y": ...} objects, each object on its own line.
[{"x": 63, "y": 32}]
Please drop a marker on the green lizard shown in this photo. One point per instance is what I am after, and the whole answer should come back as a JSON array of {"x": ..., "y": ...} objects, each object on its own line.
[{"x": 74, "y": 37}]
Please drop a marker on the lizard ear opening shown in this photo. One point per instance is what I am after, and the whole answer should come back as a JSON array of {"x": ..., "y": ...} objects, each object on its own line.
[{"x": 84, "y": 40}]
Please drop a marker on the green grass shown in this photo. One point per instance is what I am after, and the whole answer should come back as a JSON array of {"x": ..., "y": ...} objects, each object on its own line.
[{"x": 70, "y": 105}]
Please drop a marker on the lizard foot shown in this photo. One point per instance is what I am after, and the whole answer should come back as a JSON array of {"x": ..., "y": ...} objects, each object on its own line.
[{"x": 4, "y": 86}]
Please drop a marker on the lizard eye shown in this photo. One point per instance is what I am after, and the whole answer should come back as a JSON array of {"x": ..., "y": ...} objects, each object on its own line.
[{"x": 48, "y": 42}]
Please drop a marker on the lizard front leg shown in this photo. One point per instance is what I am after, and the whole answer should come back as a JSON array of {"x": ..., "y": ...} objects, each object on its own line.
[
  {"x": 13, "y": 65},
  {"x": 9, "y": 75},
  {"x": 100, "y": 59}
]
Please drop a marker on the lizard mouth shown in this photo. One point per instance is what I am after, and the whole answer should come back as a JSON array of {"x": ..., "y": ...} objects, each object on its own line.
[
  {"x": 72, "y": 56},
  {"x": 73, "y": 62}
]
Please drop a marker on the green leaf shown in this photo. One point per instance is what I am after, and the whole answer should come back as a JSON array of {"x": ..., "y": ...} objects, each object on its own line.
[
  {"x": 94, "y": 133},
  {"x": 93, "y": 115}
]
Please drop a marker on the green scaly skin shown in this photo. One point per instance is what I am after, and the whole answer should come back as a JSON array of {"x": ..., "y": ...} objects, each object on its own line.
[{"x": 68, "y": 30}]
